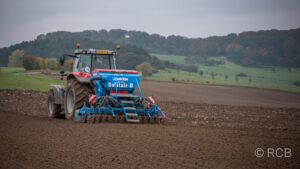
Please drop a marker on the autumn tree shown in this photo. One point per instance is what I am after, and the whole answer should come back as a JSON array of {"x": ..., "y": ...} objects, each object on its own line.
[
  {"x": 15, "y": 59},
  {"x": 146, "y": 68},
  {"x": 51, "y": 63},
  {"x": 30, "y": 62},
  {"x": 235, "y": 52},
  {"x": 41, "y": 62}
]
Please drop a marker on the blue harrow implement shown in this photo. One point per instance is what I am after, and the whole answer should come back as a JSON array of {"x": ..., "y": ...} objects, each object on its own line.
[{"x": 115, "y": 99}]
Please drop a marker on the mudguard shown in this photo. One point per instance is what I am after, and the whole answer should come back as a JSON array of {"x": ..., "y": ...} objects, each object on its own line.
[
  {"x": 58, "y": 93},
  {"x": 83, "y": 79},
  {"x": 80, "y": 76}
]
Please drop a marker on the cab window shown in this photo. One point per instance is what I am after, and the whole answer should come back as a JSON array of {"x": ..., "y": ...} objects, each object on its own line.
[
  {"x": 83, "y": 64},
  {"x": 101, "y": 62}
]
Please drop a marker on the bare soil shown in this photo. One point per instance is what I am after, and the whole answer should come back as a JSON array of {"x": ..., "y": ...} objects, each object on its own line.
[
  {"x": 226, "y": 95},
  {"x": 207, "y": 127}
]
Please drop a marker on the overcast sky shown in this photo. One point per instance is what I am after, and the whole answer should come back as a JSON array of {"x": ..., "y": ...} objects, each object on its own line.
[{"x": 22, "y": 20}]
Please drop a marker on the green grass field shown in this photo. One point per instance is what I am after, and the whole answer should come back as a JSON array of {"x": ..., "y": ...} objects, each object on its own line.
[
  {"x": 18, "y": 78},
  {"x": 172, "y": 58},
  {"x": 281, "y": 79}
]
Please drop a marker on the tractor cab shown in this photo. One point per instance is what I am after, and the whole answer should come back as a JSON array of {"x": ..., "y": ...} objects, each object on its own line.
[{"x": 86, "y": 60}]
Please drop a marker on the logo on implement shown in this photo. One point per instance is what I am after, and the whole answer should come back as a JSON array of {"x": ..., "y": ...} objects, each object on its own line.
[{"x": 92, "y": 98}]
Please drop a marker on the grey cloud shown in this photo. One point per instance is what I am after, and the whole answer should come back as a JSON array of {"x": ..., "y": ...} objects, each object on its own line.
[{"x": 25, "y": 19}]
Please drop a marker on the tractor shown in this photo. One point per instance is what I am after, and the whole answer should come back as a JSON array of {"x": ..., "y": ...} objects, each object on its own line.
[{"x": 96, "y": 91}]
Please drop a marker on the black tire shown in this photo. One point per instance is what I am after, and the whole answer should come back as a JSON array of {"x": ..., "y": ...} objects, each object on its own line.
[
  {"x": 80, "y": 92},
  {"x": 53, "y": 109}
]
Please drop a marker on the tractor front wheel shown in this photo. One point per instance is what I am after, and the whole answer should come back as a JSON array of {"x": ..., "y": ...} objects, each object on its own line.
[{"x": 53, "y": 109}]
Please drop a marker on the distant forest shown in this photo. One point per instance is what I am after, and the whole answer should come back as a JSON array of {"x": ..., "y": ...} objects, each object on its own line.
[
  {"x": 58, "y": 44},
  {"x": 262, "y": 48}
]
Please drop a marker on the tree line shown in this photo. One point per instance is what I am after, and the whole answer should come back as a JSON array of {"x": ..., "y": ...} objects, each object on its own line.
[
  {"x": 129, "y": 56},
  {"x": 147, "y": 67},
  {"x": 262, "y": 48},
  {"x": 34, "y": 54},
  {"x": 30, "y": 62}
]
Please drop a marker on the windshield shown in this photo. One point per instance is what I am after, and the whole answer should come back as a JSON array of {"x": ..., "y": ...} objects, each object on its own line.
[
  {"x": 87, "y": 62},
  {"x": 101, "y": 62}
]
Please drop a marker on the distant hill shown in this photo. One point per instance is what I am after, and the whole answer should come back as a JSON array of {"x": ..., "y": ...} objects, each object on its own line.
[
  {"x": 262, "y": 48},
  {"x": 58, "y": 43}
]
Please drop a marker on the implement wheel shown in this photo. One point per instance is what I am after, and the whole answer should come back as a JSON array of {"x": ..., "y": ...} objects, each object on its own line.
[
  {"x": 75, "y": 95},
  {"x": 53, "y": 109}
]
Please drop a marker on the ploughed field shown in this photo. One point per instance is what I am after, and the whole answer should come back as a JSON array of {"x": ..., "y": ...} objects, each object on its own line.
[{"x": 207, "y": 127}]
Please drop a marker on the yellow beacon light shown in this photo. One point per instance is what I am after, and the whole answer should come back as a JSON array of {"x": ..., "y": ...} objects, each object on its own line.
[
  {"x": 78, "y": 45},
  {"x": 101, "y": 51}
]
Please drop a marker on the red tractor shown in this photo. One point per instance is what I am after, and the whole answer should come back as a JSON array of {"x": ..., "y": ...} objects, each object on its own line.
[{"x": 96, "y": 90}]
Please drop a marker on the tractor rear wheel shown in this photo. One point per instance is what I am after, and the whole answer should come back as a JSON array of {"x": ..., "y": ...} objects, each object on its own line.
[
  {"x": 53, "y": 109},
  {"x": 75, "y": 95}
]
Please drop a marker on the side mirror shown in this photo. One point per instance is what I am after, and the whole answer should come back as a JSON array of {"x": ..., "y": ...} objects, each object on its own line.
[{"x": 62, "y": 61}]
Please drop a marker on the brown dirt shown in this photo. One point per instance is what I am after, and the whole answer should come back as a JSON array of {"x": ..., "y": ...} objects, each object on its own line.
[
  {"x": 198, "y": 133},
  {"x": 227, "y": 95}
]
